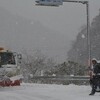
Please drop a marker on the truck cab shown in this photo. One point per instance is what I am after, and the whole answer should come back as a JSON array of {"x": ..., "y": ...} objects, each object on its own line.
[{"x": 9, "y": 62}]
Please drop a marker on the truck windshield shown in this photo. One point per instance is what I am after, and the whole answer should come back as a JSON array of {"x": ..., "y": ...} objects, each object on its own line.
[{"x": 6, "y": 58}]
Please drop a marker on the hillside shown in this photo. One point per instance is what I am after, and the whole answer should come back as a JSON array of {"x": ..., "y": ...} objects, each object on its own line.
[{"x": 79, "y": 52}]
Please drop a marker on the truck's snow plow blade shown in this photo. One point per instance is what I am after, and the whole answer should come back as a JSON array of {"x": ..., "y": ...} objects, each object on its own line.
[
  {"x": 13, "y": 81},
  {"x": 6, "y": 83}
]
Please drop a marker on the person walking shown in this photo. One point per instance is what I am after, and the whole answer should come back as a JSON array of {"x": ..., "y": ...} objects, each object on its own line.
[{"x": 95, "y": 72}]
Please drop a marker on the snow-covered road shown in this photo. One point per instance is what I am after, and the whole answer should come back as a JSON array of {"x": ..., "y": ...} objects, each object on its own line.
[{"x": 47, "y": 92}]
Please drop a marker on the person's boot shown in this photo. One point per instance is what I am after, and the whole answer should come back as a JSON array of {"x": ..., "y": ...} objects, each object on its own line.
[{"x": 92, "y": 93}]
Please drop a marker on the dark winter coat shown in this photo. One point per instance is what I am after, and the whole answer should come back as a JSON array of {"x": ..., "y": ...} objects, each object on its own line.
[{"x": 96, "y": 68}]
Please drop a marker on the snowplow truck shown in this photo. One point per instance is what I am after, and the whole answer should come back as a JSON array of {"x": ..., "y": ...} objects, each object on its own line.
[{"x": 9, "y": 67}]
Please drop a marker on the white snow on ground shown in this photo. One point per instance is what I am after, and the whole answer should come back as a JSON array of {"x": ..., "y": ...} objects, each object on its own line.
[{"x": 47, "y": 92}]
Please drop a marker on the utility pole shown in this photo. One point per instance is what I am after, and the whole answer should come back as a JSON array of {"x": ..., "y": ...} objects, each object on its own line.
[
  {"x": 88, "y": 28},
  {"x": 88, "y": 23}
]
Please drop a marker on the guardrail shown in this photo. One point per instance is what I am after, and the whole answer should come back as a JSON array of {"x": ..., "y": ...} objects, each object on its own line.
[{"x": 79, "y": 80}]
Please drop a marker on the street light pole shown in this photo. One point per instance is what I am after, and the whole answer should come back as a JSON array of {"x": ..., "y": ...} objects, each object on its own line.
[
  {"x": 48, "y": 3},
  {"x": 88, "y": 28},
  {"x": 88, "y": 34}
]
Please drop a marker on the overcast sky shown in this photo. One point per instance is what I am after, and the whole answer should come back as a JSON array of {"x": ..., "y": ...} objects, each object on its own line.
[
  {"x": 69, "y": 17},
  {"x": 66, "y": 19}
]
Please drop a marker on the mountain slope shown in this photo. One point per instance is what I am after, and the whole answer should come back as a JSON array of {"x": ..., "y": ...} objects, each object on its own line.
[{"x": 79, "y": 50}]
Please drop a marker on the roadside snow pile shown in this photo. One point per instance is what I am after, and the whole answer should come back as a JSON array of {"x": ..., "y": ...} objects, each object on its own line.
[{"x": 16, "y": 77}]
